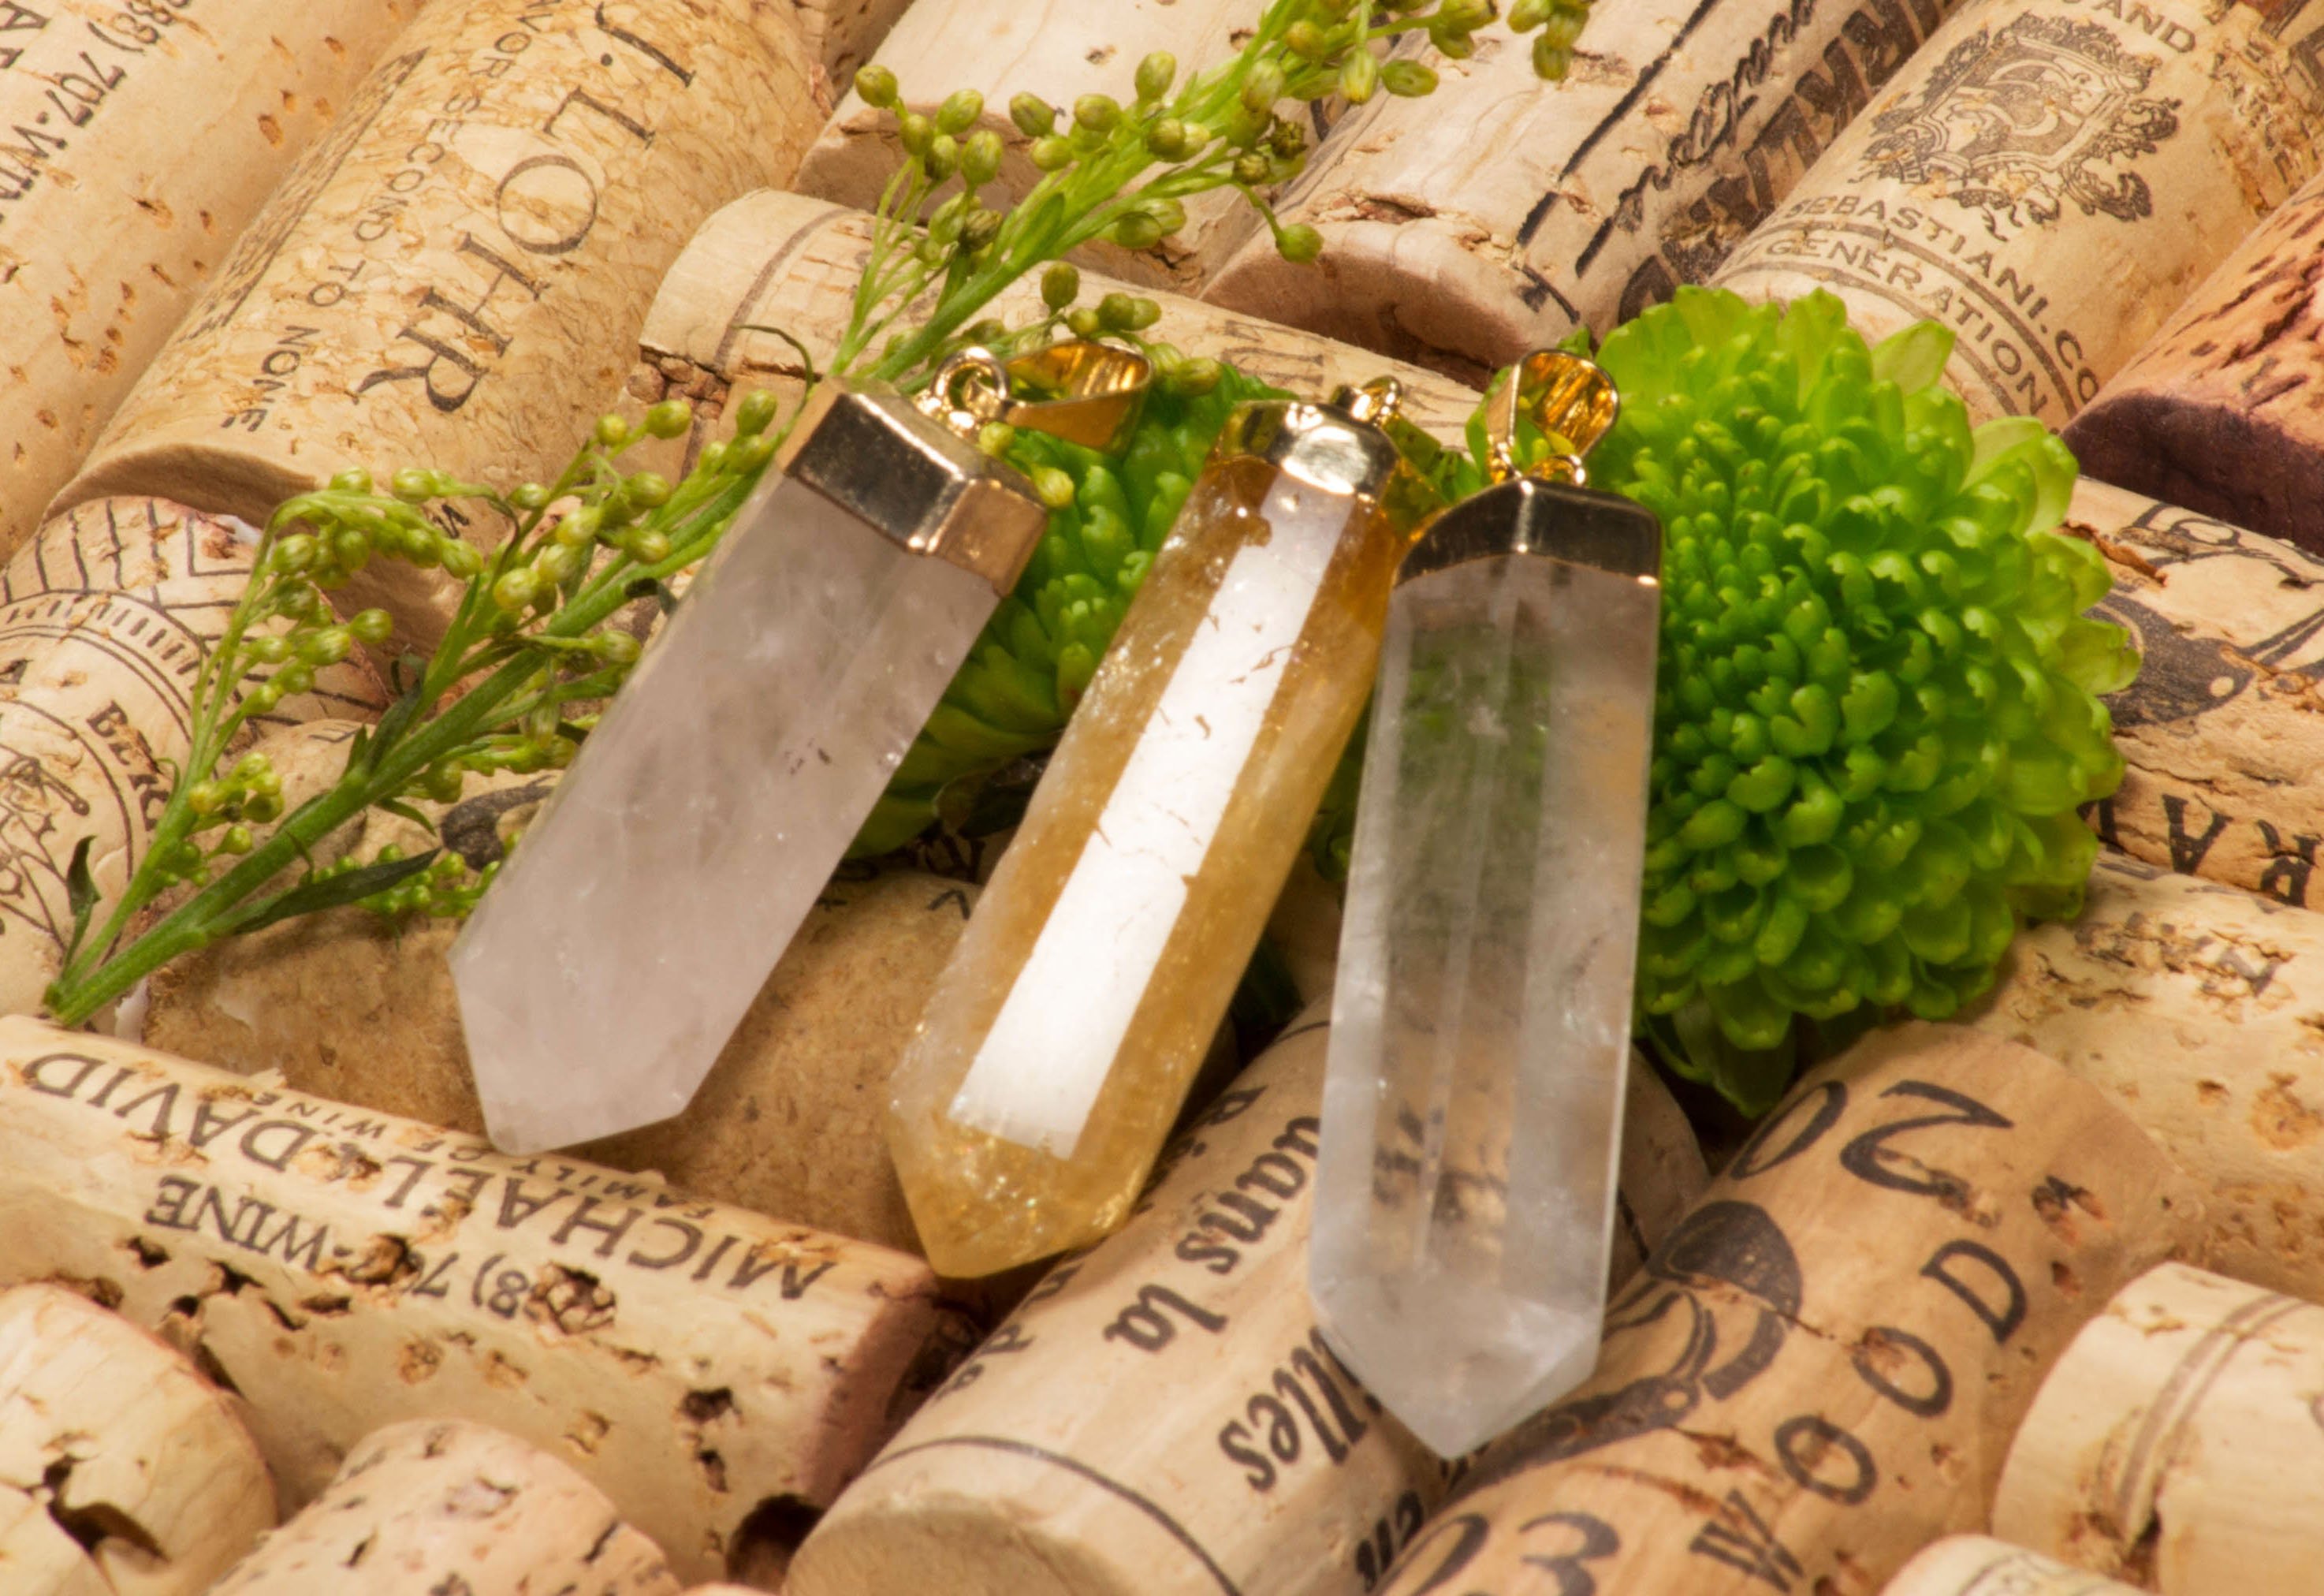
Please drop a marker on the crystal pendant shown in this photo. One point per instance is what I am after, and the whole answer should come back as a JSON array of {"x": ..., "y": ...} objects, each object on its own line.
[
  {"x": 629, "y": 931},
  {"x": 1053, "y": 1055},
  {"x": 1480, "y": 1022}
]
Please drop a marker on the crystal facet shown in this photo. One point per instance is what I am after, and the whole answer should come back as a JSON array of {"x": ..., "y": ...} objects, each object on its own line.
[
  {"x": 641, "y": 913},
  {"x": 1480, "y": 1022},
  {"x": 1060, "y": 1040}
]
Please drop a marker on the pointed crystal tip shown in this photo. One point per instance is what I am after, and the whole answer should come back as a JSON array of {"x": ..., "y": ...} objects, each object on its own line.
[{"x": 1455, "y": 1360}]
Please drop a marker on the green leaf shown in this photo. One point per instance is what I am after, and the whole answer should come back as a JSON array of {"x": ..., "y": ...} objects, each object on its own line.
[
  {"x": 403, "y": 810},
  {"x": 316, "y": 894},
  {"x": 1913, "y": 358}
]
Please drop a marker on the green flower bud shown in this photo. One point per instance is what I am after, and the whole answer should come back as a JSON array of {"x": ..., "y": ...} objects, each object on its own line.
[
  {"x": 1263, "y": 87},
  {"x": 390, "y": 855},
  {"x": 1115, "y": 311},
  {"x": 1137, "y": 231},
  {"x": 979, "y": 230},
  {"x": 612, "y": 432},
  {"x": 1050, "y": 154},
  {"x": 876, "y": 85},
  {"x": 293, "y": 553},
  {"x": 994, "y": 438},
  {"x": 1551, "y": 59},
  {"x": 580, "y": 528},
  {"x": 372, "y": 627},
  {"x": 236, "y": 840},
  {"x": 1299, "y": 242},
  {"x": 914, "y": 131},
  {"x": 1452, "y": 43},
  {"x": 749, "y": 454},
  {"x": 650, "y": 547},
  {"x": 1061, "y": 285},
  {"x": 1156, "y": 73},
  {"x": 616, "y": 647},
  {"x": 1564, "y": 26},
  {"x": 960, "y": 111},
  {"x": 532, "y": 495},
  {"x": 460, "y": 559},
  {"x": 943, "y": 158},
  {"x": 355, "y": 479},
  {"x": 443, "y": 784},
  {"x": 291, "y": 680},
  {"x": 1307, "y": 42},
  {"x": 514, "y": 589},
  {"x": 988, "y": 332},
  {"x": 1465, "y": 15},
  {"x": 1034, "y": 117},
  {"x": 755, "y": 414},
  {"x": 1168, "y": 213},
  {"x": 326, "y": 647},
  {"x": 1097, "y": 112},
  {"x": 1198, "y": 377},
  {"x": 1358, "y": 77},
  {"x": 1166, "y": 140},
  {"x": 1252, "y": 170},
  {"x": 669, "y": 419},
  {"x": 555, "y": 564},
  {"x": 1525, "y": 16},
  {"x": 1084, "y": 322},
  {"x": 412, "y": 485},
  {"x": 268, "y": 650},
  {"x": 205, "y": 797},
  {"x": 648, "y": 490},
  {"x": 351, "y": 548},
  {"x": 713, "y": 459},
  {"x": 1055, "y": 488},
  {"x": 980, "y": 158},
  {"x": 1408, "y": 79}
]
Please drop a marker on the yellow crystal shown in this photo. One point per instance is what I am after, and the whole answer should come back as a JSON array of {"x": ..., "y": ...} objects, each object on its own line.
[{"x": 1059, "y": 1043}]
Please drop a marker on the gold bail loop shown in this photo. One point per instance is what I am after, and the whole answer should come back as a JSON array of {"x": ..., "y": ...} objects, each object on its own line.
[
  {"x": 1571, "y": 401},
  {"x": 1083, "y": 391}
]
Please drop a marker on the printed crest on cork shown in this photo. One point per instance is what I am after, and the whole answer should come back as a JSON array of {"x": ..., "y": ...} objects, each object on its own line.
[
  {"x": 2049, "y": 180},
  {"x": 105, "y": 620}
]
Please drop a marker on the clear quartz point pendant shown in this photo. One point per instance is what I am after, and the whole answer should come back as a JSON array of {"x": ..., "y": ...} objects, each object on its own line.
[
  {"x": 604, "y": 971},
  {"x": 1481, "y": 1024}
]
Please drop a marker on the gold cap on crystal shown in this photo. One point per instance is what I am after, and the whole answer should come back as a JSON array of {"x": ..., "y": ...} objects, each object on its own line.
[
  {"x": 1359, "y": 444},
  {"x": 911, "y": 469}
]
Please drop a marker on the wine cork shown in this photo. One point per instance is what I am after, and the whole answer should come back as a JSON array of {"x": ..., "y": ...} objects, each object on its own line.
[
  {"x": 143, "y": 138},
  {"x": 453, "y": 278},
  {"x": 777, "y": 259},
  {"x": 122, "y": 1471},
  {"x": 345, "y": 1269},
  {"x": 1057, "y": 50},
  {"x": 1161, "y": 1415},
  {"x": 2189, "y": 1004},
  {"x": 444, "y": 1506},
  {"x": 790, "y": 1122},
  {"x": 2048, "y": 179},
  {"x": 105, "y": 619},
  {"x": 2221, "y": 730},
  {"x": 1819, "y": 1370},
  {"x": 1979, "y": 1565},
  {"x": 1500, "y": 213},
  {"x": 2177, "y": 1443},
  {"x": 2213, "y": 413},
  {"x": 839, "y": 36}
]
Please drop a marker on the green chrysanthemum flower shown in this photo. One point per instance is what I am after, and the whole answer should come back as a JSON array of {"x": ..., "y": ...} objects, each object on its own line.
[
  {"x": 1013, "y": 693},
  {"x": 1877, "y": 712}
]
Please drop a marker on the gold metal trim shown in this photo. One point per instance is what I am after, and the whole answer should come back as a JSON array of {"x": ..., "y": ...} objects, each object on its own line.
[
  {"x": 1084, "y": 392},
  {"x": 1570, "y": 400},
  {"x": 1358, "y": 445}
]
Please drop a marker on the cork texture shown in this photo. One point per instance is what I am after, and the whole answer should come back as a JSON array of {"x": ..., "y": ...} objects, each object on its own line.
[
  {"x": 122, "y": 1471},
  {"x": 344, "y": 1270},
  {"x": 1501, "y": 212},
  {"x": 2194, "y": 1006},
  {"x": 1161, "y": 1413},
  {"x": 107, "y": 617},
  {"x": 2050, "y": 180},
  {"x": 141, "y": 139},
  {"x": 2176, "y": 1445},
  {"x": 459, "y": 1508},
  {"x": 453, "y": 278},
  {"x": 1979, "y": 1565},
  {"x": 2224, "y": 728},
  {"x": 2216, "y": 411},
  {"x": 1819, "y": 1370}
]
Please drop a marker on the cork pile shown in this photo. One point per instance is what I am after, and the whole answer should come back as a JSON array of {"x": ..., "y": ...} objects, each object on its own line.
[{"x": 2032, "y": 1302}]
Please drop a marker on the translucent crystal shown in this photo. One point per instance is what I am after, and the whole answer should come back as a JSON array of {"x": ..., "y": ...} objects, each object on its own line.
[
  {"x": 641, "y": 914},
  {"x": 1481, "y": 1023},
  {"x": 1059, "y": 1043}
]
